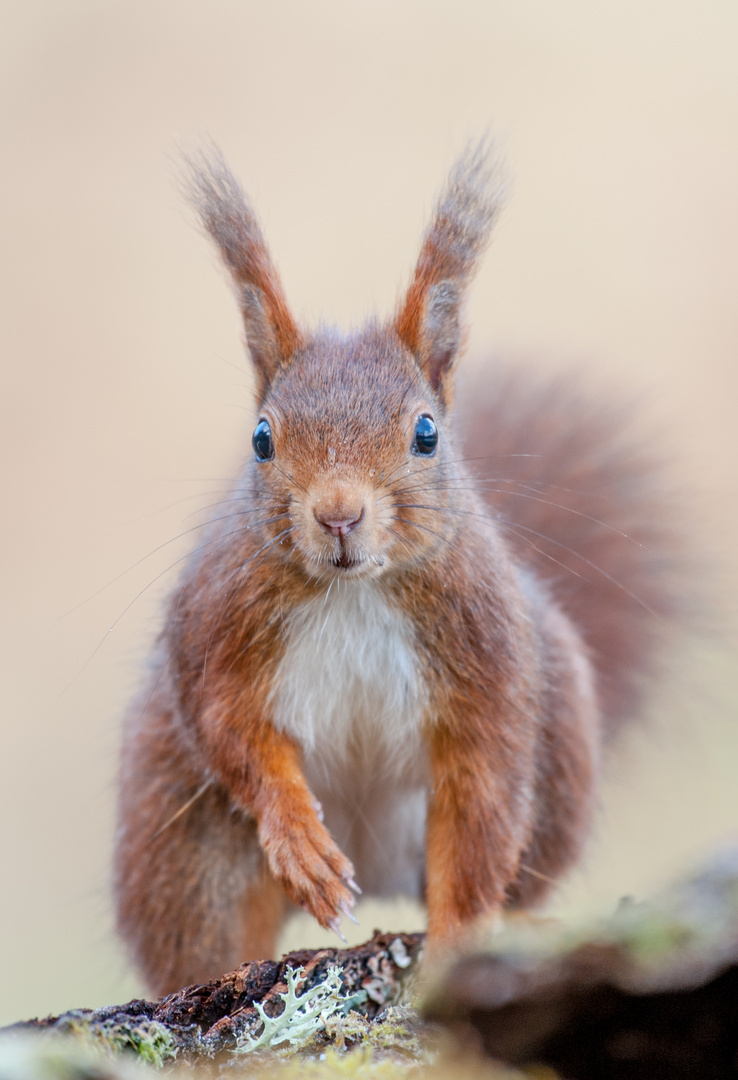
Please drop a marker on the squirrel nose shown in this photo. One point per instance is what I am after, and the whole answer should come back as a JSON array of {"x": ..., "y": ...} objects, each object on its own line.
[{"x": 336, "y": 526}]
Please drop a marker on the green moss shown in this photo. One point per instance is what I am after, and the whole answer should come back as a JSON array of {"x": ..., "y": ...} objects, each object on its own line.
[{"x": 151, "y": 1043}]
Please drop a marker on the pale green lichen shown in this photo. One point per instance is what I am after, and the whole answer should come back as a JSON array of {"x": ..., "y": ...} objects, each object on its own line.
[{"x": 303, "y": 1015}]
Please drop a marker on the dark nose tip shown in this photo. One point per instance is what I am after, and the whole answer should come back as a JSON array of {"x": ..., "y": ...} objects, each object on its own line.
[{"x": 338, "y": 526}]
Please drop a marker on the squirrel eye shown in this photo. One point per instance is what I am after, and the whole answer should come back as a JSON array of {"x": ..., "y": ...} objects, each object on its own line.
[
  {"x": 262, "y": 441},
  {"x": 426, "y": 435}
]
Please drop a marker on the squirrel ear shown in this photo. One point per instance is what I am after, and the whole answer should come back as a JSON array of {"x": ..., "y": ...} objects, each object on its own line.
[
  {"x": 440, "y": 334},
  {"x": 428, "y": 320},
  {"x": 271, "y": 333}
]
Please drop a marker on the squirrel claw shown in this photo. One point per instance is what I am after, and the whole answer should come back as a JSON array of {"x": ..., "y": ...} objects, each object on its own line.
[
  {"x": 348, "y": 913},
  {"x": 352, "y": 885},
  {"x": 335, "y": 927}
]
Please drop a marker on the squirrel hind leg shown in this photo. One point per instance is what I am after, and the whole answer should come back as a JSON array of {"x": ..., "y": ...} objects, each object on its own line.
[{"x": 195, "y": 898}]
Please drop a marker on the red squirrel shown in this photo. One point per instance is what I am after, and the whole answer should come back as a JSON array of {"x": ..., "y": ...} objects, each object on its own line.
[{"x": 391, "y": 664}]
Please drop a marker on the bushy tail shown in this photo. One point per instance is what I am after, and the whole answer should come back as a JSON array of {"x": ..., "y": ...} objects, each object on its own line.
[{"x": 586, "y": 502}]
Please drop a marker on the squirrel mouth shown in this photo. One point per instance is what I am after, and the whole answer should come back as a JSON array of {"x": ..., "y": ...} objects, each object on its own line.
[
  {"x": 346, "y": 561},
  {"x": 357, "y": 563}
]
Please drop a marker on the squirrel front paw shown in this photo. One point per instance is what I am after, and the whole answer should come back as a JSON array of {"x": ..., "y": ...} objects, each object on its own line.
[{"x": 314, "y": 872}]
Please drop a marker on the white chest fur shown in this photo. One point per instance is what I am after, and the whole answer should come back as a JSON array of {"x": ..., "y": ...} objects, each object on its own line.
[
  {"x": 350, "y": 691},
  {"x": 349, "y": 684}
]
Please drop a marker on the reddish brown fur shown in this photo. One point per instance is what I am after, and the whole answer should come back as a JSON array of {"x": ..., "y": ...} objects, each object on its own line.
[{"x": 219, "y": 827}]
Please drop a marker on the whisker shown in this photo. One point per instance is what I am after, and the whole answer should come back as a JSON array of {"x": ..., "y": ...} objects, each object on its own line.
[
  {"x": 450, "y": 485},
  {"x": 328, "y": 591},
  {"x": 289, "y": 477},
  {"x": 322, "y": 629},
  {"x": 229, "y": 596},
  {"x": 418, "y": 469},
  {"x": 201, "y": 547},
  {"x": 546, "y": 502},
  {"x": 542, "y": 536},
  {"x": 236, "y": 367},
  {"x": 417, "y": 525},
  {"x": 425, "y": 467},
  {"x": 226, "y": 502},
  {"x": 593, "y": 566},
  {"x": 401, "y": 540},
  {"x": 184, "y": 499},
  {"x": 182, "y": 810},
  {"x": 546, "y": 554},
  {"x": 160, "y": 547},
  {"x": 536, "y": 874},
  {"x": 275, "y": 539}
]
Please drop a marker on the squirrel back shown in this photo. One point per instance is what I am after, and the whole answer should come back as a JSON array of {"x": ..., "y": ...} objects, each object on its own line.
[{"x": 378, "y": 664}]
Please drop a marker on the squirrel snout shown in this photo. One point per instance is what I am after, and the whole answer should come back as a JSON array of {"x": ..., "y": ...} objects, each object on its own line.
[{"x": 338, "y": 526}]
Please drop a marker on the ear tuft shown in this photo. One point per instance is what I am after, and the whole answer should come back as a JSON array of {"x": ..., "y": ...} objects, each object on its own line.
[
  {"x": 440, "y": 331},
  {"x": 229, "y": 218},
  {"x": 428, "y": 320}
]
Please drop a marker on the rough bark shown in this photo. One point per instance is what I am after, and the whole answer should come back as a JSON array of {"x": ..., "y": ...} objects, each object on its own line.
[{"x": 206, "y": 1021}]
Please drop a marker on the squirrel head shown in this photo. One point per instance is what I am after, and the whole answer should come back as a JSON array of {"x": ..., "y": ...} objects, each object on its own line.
[{"x": 353, "y": 442}]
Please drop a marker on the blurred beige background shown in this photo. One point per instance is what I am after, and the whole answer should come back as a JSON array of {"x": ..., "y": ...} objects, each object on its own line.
[{"x": 123, "y": 410}]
